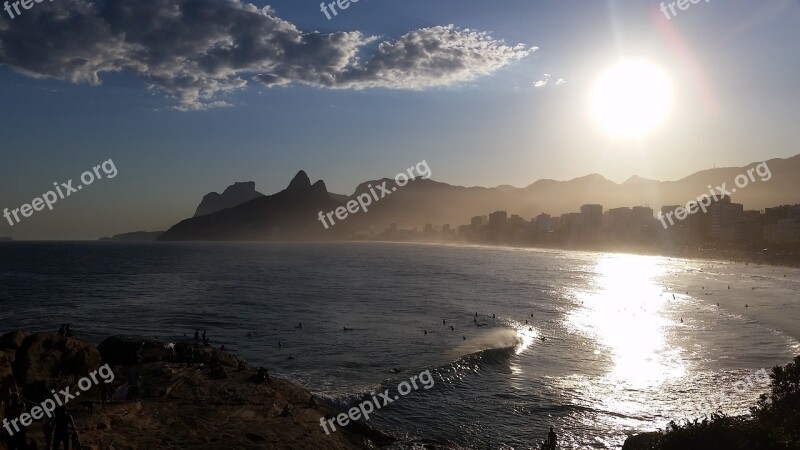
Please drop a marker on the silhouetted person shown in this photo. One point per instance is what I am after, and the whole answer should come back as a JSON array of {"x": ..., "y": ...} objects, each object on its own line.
[
  {"x": 222, "y": 348},
  {"x": 62, "y": 423},
  {"x": 68, "y": 332},
  {"x": 452, "y": 328},
  {"x": 14, "y": 409},
  {"x": 188, "y": 355},
  {"x": 280, "y": 344},
  {"x": 443, "y": 322},
  {"x": 197, "y": 336},
  {"x": 286, "y": 411},
  {"x": 105, "y": 394},
  {"x": 426, "y": 332},
  {"x": 62, "y": 331},
  {"x": 263, "y": 375},
  {"x": 551, "y": 439},
  {"x": 135, "y": 386}
]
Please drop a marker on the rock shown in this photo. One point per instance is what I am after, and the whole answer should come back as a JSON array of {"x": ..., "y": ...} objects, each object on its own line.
[
  {"x": 7, "y": 382},
  {"x": 642, "y": 441},
  {"x": 122, "y": 350},
  {"x": 255, "y": 437},
  {"x": 104, "y": 424},
  {"x": 44, "y": 359},
  {"x": 13, "y": 340}
]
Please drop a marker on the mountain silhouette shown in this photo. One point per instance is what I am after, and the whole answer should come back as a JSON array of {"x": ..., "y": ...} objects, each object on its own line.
[
  {"x": 235, "y": 195},
  {"x": 288, "y": 215},
  {"x": 292, "y": 213}
]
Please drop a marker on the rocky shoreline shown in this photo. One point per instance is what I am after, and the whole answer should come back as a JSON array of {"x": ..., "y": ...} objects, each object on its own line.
[{"x": 214, "y": 402}]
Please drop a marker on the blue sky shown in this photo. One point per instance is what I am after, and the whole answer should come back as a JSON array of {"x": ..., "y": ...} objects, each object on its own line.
[{"x": 733, "y": 68}]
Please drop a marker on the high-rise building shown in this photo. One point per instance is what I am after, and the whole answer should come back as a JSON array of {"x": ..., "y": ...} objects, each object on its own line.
[
  {"x": 543, "y": 223},
  {"x": 592, "y": 217},
  {"x": 725, "y": 218}
]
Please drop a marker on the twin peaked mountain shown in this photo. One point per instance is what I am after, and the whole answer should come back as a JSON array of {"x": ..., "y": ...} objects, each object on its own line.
[{"x": 241, "y": 213}]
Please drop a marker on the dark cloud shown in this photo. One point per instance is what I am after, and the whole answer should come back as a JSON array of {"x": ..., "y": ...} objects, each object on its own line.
[{"x": 198, "y": 50}]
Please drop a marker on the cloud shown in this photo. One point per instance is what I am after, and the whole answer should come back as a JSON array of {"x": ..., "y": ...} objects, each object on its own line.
[
  {"x": 546, "y": 81},
  {"x": 197, "y": 51}
]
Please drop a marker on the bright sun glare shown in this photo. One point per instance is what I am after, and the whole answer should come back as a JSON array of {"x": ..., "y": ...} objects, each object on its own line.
[{"x": 629, "y": 99}]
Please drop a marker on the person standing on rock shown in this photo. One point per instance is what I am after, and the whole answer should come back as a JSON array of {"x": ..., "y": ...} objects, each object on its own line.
[
  {"x": 552, "y": 438},
  {"x": 15, "y": 409},
  {"x": 105, "y": 395},
  {"x": 197, "y": 336},
  {"x": 62, "y": 423}
]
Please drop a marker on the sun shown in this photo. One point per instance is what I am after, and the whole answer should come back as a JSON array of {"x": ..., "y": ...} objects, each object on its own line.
[{"x": 631, "y": 98}]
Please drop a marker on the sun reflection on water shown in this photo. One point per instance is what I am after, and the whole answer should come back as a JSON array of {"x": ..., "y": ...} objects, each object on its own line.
[{"x": 624, "y": 314}]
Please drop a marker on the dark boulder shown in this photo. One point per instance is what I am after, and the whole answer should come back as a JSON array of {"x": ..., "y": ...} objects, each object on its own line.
[
  {"x": 40, "y": 361},
  {"x": 643, "y": 441},
  {"x": 126, "y": 350}
]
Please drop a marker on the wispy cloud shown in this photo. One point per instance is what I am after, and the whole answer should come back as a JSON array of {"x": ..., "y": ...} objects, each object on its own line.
[
  {"x": 547, "y": 80},
  {"x": 199, "y": 50}
]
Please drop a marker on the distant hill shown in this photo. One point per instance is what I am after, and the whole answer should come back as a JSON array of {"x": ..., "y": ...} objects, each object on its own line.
[
  {"x": 5, "y": 239},
  {"x": 292, "y": 213},
  {"x": 136, "y": 236},
  {"x": 235, "y": 195}
]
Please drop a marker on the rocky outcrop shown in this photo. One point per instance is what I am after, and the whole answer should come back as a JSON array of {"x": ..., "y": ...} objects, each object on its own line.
[
  {"x": 128, "y": 350},
  {"x": 641, "y": 441},
  {"x": 42, "y": 360},
  {"x": 214, "y": 405},
  {"x": 235, "y": 195}
]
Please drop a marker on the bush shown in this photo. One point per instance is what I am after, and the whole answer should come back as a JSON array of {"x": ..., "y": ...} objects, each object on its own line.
[{"x": 774, "y": 423}]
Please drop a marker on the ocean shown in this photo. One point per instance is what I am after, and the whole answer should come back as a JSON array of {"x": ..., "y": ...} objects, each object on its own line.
[{"x": 597, "y": 345}]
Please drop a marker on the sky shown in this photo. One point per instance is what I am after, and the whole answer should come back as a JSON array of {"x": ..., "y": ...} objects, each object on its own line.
[{"x": 188, "y": 96}]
